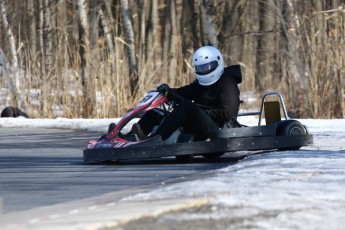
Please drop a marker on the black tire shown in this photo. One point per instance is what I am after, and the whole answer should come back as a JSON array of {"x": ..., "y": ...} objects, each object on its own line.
[
  {"x": 184, "y": 138},
  {"x": 290, "y": 128}
]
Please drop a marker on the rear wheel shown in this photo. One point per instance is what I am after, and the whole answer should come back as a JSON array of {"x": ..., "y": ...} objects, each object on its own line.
[{"x": 290, "y": 128}]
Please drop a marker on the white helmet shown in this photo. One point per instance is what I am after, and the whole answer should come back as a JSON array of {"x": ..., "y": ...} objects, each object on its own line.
[{"x": 208, "y": 65}]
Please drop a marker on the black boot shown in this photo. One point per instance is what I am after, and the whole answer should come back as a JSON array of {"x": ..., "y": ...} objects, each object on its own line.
[
  {"x": 136, "y": 133},
  {"x": 111, "y": 127}
]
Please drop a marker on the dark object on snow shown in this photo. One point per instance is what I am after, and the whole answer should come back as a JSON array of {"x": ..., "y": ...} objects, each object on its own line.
[{"x": 11, "y": 111}]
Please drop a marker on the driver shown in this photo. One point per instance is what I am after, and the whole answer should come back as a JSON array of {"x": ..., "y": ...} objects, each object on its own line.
[{"x": 203, "y": 106}]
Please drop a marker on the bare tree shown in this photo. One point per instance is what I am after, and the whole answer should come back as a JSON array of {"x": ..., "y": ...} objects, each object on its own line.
[
  {"x": 47, "y": 36},
  {"x": 46, "y": 54},
  {"x": 108, "y": 35},
  {"x": 153, "y": 35},
  {"x": 87, "y": 80},
  {"x": 106, "y": 30},
  {"x": 291, "y": 26},
  {"x": 196, "y": 25},
  {"x": 84, "y": 39},
  {"x": 209, "y": 16},
  {"x": 173, "y": 46},
  {"x": 129, "y": 33},
  {"x": 9, "y": 34},
  {"x": 10, "y": 38},
  {"x": 265, "y": 44},
  {"x": 32, "y": 27},
  {"x": 143, "y": 46}
]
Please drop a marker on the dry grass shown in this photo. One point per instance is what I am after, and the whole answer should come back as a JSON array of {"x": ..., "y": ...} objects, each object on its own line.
[{"x": 308, "y": 67}]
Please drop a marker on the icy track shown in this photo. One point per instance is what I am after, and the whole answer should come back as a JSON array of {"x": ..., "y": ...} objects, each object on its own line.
[{"x": 302, "y": 189}]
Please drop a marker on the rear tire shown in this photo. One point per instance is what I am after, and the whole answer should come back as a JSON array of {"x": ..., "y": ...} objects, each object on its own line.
[{"x": 290, "y": 128}]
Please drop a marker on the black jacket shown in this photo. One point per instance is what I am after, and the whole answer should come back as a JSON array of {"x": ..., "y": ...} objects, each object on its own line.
[{"x": 220, "y": 100}]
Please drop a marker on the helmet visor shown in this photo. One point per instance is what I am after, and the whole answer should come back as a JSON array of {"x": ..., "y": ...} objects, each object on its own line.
[{"x": 206, "y": 68}]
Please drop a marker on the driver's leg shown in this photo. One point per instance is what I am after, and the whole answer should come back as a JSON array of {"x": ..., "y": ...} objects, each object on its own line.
[
  {"x": 149, "y": 120},
  {"x": 189, "y": 116}
]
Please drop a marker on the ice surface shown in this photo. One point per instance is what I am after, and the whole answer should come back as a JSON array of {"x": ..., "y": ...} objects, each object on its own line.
[{"x": 302, "y": 189}]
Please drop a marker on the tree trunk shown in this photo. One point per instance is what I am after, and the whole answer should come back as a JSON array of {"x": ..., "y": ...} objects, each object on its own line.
[
  {"x": 94, "y": 19},
  {"x": 8, "y": 80},
  {"x": 11, "y": 43},
  {"x": 107, "y": 31},
  {"x": 84, "y": 50},
  {"x": 165, "y": 40},
  {"x": 209, "y": 12},
  {"x": 265, "y": 45},
  {"x": 196, "y": 26},
  {"x": 84, "y": 39},
  {"x": 142, "y": 41},
  {"x": 61, "y": 64},
  {"x": 129, "y": 33},
  {"x": 48, "y": 38},
  {"x": 32, "y": 28},
  {"x": 109, "y": 41},
  {"x": 298, "y": 69},
  {"x": 41, "y": 38},
  {"x": 153, "y": 35},
  {"x": 173, "y": 50},
  {"x": 61, "y": 19},
  {"x": 9, "y": 34}
]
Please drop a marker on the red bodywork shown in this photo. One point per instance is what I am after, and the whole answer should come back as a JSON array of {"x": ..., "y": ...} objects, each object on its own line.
[{"x": 152, "y": 100}]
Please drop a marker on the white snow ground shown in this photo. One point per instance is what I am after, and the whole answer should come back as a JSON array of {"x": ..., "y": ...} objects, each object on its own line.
[{"x": 302, "y": 189}]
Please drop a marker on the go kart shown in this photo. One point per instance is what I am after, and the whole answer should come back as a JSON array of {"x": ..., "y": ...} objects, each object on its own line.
[{"x": 237, "y": 140}]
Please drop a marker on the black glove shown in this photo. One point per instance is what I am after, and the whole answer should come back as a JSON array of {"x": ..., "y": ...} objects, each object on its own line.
[{"x": 163, "y": 88}]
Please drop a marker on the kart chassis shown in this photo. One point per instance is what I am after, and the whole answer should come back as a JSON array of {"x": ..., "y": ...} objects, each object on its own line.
[{"x": 287, "y": 134}]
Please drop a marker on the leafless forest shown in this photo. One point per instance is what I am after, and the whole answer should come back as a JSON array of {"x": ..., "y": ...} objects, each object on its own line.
[{"x": 95, "y": 58}]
